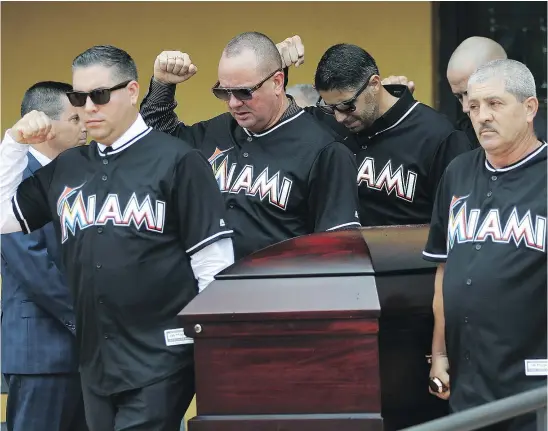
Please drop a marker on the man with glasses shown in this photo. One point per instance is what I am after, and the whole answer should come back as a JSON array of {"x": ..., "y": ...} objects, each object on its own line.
[
  {"x": 281, "y": 173},
  {"x": 402, "y": 146},
  {"x": 142, "y": 228}
]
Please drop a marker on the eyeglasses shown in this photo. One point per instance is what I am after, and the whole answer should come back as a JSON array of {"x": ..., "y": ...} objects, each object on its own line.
[
  {"x": 345, "y": 107},
  {"x": 240, "y": 93},
  {"x": 99, "y": 96}
]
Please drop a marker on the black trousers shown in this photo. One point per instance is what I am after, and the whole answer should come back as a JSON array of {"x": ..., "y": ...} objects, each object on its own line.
[{"x": 158, "y": 407}]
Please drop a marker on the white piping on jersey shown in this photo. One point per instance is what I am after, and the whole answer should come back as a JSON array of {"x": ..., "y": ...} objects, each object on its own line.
[
  {"x": 258, "y": 135},
  {"x": 399, "y": 121},
  {"x": 20, "y": 213},
  {"x": 352, "y": 223},
  {"x": 525, "y": 160},
  {"x": 127, "y": 144},
  {"x": 435, "y": 256},
  {"x": 224, "y": 232}
]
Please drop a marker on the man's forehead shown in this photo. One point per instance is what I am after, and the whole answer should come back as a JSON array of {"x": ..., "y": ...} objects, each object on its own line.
[
  {"x": 239, "y": 71},
  {"x": 91, "y": 77},
  {"x": 490, "y": 87},
  {"x": 69, "y": 111}
]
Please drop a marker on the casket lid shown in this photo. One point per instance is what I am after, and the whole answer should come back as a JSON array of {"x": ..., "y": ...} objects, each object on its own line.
[{"x": 365, "y": 251}]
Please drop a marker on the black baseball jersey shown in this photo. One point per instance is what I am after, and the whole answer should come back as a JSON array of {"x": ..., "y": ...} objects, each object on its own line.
[
  {"x": 539, "y": 124},
  {"x": 290, "y": 180},
  {"x": 489, "y": 226},
  {"x": 400, "y": 159},
  {"x": 129, "y": 220}
]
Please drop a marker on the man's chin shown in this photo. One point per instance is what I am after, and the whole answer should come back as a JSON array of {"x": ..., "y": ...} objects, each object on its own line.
[{"x": 356, "y": 128}]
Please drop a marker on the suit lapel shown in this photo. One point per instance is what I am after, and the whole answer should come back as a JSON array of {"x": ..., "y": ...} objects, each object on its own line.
[{"x": 33, "y": 164}]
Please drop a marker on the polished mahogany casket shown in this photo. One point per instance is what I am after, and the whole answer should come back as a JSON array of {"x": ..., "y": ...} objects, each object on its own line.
[{"x": 329, "y": 331}]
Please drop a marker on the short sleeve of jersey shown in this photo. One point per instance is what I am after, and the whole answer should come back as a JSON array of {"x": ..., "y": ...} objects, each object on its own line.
[
  {"x": 200, "y": 205},
  {"x": 30, "y": 203},
  {"x": 333, "y": 201},
  {"x": 436, "y": 246}
]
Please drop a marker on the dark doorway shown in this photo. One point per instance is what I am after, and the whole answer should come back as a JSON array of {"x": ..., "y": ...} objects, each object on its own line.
[{"x": 520, "y": 27}]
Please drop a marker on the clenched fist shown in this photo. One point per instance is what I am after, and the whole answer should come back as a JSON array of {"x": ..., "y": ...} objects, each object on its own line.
[
  {"x": 292, "y": 51},
  {"x": 439, "y": 369},
  {"x": 34, "y": 128},
  {"x": 173, "y": 67}
]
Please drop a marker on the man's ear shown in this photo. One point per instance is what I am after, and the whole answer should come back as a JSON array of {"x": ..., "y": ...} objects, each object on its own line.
[
  {"x": 133, "y": 88},
  {"x": 531, "y": 108},
  {"x": 279, "y": 82}
]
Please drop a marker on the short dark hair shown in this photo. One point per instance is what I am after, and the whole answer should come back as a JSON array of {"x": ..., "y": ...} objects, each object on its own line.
[
  {"x": 268, "y": 56},
  {"x": 344, "y": 67},
  {"x": 108, "y": 56},
  {"x": 46, "y": 96}
]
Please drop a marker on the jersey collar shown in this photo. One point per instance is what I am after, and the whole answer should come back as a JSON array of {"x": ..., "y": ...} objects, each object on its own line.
[
  {"x": 396, "y": 114},
  {"x": 136, "y": 131},
  {"x": 540, "y": 150},
  {"x": 293, "y": 111}
]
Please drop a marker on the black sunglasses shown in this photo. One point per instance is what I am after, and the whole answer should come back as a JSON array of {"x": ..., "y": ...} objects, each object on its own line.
[
  {"x": 99, "y": 96},
  {"x": 344, "y": 107},
  {"x": 239, "y": 93}
]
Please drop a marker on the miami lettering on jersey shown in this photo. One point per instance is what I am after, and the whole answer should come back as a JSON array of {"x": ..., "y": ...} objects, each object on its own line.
[
  {"x": 275, "y": 187},
  {"x": 81, "y": 213},
  {"x": 472, "y": 226},
  {"x": 388, "y": 179}
]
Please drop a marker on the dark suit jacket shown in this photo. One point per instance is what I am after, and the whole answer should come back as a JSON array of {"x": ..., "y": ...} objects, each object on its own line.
[{"x": 38, "y": 333}]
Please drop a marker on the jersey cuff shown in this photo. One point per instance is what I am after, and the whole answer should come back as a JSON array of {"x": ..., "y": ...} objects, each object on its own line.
[
  {"x": 350, "y": 225},
  {"x": 19, "y": 215},
  {"x": 432, "y": 257},
  {"x": 210, "y": 240}
]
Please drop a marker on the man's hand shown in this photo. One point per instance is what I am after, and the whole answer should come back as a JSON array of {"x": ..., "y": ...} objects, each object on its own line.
[
  {"x": 292, "y": 51},
  {"x": 34, "y": 128},
  {"x": 399, "y": 80},
  {"x": 439, "y": 369},
  {"x": 173, "y": 67}
]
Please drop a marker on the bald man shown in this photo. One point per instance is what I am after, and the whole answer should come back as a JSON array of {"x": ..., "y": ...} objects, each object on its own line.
[
  {"x": 281, "y": 173},
  {"x": 469, "y": 55}
]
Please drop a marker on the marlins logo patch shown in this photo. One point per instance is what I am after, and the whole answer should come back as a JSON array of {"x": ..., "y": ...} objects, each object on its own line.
[
  {"x": 470, "y": 225},
  {"x": 76, "y": 212},
  {"x": 274, "y": 187}
]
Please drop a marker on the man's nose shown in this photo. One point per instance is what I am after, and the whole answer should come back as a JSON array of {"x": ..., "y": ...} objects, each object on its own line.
[
  {"x": 233, "y": 102},
  {"x": 340, "y": 117}
]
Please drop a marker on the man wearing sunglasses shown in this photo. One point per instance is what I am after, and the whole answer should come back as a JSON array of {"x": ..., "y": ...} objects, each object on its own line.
[
  {"x": 402, "y": 146},
  {"x": 139, "y": 240},
  {"x": 281, "y": 173}
]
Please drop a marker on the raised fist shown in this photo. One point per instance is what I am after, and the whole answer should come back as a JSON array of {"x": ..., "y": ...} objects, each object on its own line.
[
  {"x": 292, "y": 51},
  {"x": 34, "y": 128},
  {"x": 173, "y": 67},
  {"x": 399, "y": 80}
]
